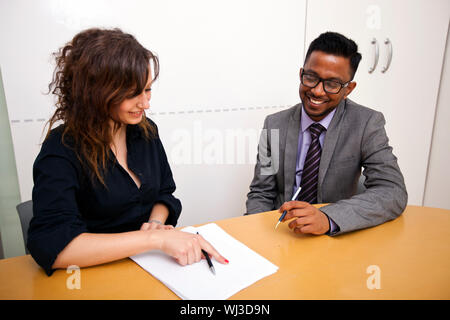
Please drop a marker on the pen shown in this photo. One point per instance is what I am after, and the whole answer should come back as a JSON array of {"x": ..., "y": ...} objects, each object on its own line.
[
  {"x": 294, "y": 197},
  {"x": 211, "y": 266}
]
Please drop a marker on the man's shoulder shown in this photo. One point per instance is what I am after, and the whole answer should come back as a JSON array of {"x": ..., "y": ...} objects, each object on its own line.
[
  {"x": 358, "y": 110},
  {"x": 281, "y": 117}
]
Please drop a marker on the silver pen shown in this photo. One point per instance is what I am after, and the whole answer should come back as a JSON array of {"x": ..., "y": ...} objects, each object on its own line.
[{"x": 294, "y": 197}]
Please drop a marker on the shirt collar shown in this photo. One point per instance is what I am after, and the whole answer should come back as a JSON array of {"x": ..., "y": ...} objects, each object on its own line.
[{"x": 306, "y": 121}]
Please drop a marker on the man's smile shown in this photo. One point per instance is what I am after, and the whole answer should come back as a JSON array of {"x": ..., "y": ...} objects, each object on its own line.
[{"x": 316, "y": 101}]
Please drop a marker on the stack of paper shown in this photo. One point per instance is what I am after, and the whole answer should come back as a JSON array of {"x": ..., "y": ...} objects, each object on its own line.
[{"x": 196, "y": 281}]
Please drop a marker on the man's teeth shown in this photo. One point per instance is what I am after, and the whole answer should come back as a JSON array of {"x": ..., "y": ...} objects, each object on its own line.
[{"x": 316, "y": 101}]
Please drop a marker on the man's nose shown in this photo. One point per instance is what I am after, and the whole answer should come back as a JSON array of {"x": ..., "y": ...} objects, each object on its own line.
[{"x": 318, "y": 89}]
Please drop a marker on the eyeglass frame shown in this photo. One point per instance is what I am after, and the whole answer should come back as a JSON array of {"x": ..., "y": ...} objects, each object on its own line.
[{"x": 343, "y": 85}]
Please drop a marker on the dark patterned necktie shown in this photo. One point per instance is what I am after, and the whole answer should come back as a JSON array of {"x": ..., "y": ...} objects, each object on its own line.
[{"x": 311, "y": 166}]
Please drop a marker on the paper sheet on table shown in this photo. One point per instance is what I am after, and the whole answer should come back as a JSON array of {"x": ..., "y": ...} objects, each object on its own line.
[{"x": 196, "y": 281}]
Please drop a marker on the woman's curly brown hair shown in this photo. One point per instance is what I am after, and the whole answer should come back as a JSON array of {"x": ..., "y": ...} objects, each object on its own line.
[{"x": 95, "y": 72}]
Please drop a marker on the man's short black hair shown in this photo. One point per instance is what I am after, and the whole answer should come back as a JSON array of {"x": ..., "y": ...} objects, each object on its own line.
[{"x": 336, "y": 44}]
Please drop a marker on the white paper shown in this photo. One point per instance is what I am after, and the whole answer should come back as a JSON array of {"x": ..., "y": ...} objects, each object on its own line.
[{"x": 196, "y": 281}]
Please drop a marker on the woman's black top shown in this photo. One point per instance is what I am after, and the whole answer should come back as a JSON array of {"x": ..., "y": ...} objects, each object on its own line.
[{"x": 66, "y": 202}]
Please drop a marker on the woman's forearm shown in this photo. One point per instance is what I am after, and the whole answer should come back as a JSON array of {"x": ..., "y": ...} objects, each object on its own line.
[
  {"x": 89, "y": 249},
  {"x": 159, "y": 212}
]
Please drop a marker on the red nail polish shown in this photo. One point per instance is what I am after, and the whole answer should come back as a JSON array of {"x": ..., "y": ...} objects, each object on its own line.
[{"x": 227, "y": 261}]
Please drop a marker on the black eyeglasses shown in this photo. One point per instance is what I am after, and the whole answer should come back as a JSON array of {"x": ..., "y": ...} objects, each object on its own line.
[{"x": 329, "y": 86}]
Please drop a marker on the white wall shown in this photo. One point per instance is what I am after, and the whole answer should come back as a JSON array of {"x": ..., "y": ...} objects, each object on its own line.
[
  {"x": 437, "y": 188},
  {"x": 224, "y": 66}
]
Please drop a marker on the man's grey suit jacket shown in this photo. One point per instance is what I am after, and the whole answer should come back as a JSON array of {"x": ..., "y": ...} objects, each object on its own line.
[{"x": 355, "y": 139}]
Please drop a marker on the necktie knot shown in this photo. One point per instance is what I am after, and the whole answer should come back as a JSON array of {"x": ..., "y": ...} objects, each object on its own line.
[{"x": 316, "y": 129}]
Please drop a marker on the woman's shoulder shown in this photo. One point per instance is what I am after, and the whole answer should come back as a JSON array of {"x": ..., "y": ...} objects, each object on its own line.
[{"x": 58, "y": 143}]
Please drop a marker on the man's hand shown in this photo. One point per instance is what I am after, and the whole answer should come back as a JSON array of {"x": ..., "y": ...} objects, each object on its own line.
[{"x": 308, "y": 219}]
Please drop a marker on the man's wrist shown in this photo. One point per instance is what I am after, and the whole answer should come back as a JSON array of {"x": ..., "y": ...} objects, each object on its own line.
[{"x": 333, "y": 227}]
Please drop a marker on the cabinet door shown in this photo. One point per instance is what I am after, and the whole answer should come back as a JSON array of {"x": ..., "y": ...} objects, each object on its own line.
[{"x": 407, "y": 92}]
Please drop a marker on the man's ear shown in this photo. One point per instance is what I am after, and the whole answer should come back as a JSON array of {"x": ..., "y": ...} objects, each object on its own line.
[
  {"x": 349, "y": 89},
  {"x": 300, "y": 73}
]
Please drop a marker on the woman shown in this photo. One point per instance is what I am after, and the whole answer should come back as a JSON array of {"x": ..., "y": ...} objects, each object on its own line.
[{"x": 102, "y": 184}]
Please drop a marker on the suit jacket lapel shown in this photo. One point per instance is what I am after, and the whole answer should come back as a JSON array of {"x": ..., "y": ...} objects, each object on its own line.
[
  {"x": 329, "y": 145},
  {"x": 290, "y": 153}
]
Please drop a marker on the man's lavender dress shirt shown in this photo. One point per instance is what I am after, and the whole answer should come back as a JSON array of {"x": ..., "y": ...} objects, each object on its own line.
[{"x": 304, "y": 140}]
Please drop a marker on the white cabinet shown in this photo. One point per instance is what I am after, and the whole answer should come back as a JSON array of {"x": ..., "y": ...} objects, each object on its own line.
[{"x": 406, "y": 93}]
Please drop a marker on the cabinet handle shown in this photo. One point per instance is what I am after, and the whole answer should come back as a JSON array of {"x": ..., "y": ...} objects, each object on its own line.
[
  {"x": 388, "y": 43},
  {"x": 377, "y": 55}
]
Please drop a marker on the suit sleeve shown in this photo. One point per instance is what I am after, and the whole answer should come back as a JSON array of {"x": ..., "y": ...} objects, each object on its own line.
[
  {"x": 263, "y": 188},
  {"x": 385, "y": 197}
]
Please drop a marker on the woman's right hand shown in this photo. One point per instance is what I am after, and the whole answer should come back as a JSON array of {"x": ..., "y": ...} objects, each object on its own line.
[{"x": 186, "y": 248}]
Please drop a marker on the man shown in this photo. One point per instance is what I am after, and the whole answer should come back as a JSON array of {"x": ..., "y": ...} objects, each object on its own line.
[{"x": 321, "y": 145}]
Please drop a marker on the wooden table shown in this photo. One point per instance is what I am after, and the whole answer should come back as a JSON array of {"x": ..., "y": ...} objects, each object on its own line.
[{"x": 412, "y": 254}]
